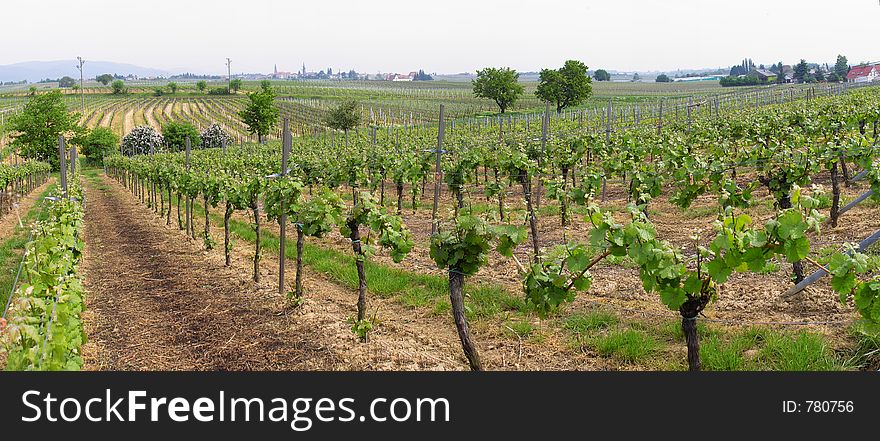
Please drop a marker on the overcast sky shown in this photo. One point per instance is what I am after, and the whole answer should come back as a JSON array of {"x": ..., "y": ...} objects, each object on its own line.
[{"x": 439, "y": 36}]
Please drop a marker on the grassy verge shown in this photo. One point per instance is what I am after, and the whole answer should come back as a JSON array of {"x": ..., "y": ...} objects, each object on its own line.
[{"x": 12, "y": 247}]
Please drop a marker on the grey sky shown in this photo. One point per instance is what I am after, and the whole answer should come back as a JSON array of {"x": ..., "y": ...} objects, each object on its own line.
[{"x": 444, "y": 36}]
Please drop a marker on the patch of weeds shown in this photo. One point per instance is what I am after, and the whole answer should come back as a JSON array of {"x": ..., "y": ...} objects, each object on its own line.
[
  {"x": 484, "y": 300},
  {"x": 719, "y": 354},
  {"x": 442, "y": 308},
  {"x": 629, "y": 346},
  {"x": 522, "y": 329},
  {"x": 866, "y": 353},
  {"x": 803, "y": 351},
  {"x": 587, "y": 322}
]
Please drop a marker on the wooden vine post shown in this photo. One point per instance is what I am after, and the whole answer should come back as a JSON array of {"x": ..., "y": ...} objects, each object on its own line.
[
  {"x": 285, "y": 152},
  {"x": 188, "y": 212},
  {"x": 62, "y": 165},
  {"x": 660, "y": 119},
  {"x": 438, "y": 174}
]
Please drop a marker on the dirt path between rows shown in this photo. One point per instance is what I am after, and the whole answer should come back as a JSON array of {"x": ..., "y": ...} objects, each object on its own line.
[
  {"x": 154, "y": 304},
  {"x": 128, "y": 122}
]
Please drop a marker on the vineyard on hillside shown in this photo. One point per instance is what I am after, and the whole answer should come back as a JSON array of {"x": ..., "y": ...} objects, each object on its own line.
[{"x": 307, "y": 103}]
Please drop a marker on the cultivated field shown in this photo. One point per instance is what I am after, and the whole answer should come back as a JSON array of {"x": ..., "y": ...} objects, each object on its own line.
[{"x": 590, "y": 239}]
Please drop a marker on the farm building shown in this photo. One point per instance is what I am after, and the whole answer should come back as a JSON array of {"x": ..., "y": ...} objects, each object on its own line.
[
  {"x": 763, "y": 75},
  {"x": 863, "y": 74},
  {"x": 399, "y": 77}
]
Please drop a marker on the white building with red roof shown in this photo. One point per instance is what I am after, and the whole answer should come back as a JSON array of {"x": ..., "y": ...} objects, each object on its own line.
[{"x": 863, "y": 74}]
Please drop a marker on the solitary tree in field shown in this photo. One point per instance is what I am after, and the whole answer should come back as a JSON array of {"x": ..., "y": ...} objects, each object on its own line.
[
  {"x": 201, "y": 85},
  {"x": 235, "y": 85},
  {"x": 841, "y": 68},
  {"x": 601, "y": 75},
  {"x": 498, "y": 84},
  {"x": 172, "y": 86},
  {"x": 566, "y": 86},
  {"x": 100, "y": 142},
  {"x": 66, "y": 82},
  {"x": 104, "y": 79},
  {"x": 663, "y": 78},
  {"x": 175, "y": 133},
  {"x": 260, "y": 114},
  {"x": 118, "y": 87},
  {"x": 801, "y": 70},
  {"x": 38, "y": 125},
  {"x": 344, "y": 117}
]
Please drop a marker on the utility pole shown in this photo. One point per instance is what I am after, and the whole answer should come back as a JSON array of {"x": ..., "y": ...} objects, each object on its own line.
[
  {"x": 229, "y": 74},
  {"x": 82, "y": 96}
]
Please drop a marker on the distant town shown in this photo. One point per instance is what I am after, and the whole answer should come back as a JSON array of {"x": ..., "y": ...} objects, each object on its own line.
[{"x": 747, "y": 73}]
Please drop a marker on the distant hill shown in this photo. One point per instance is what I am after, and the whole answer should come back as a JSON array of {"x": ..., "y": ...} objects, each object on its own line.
[{"x": 34, "y": 71}]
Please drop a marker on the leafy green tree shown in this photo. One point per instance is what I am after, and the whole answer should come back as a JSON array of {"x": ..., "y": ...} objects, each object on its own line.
[
  {"x": 498, "y": 84},
  {"x": 566, "y": 86},
  {"x": 104, "y": 79},
  {"x": 98, "y": 143},
  {"x": 260, "y": 114},
  {"x": 172, "y": 86},
  {"x": 118, "y": 87},
  {"x": 344, "y": 117},
  {"x": 175, "y": 134},
  {"x": 421, "y": 76},
  {"x": 663, "y": 78},
  {"x": 636, "y": 78},
  {"x": 801, "y": 70},
  {"x": 158, "y": 92},
  {"x": 601, "y": 75},
  {"x": 38, "y": 125},
  {"x": 32, "y": 91},
  {"x": 841, "y": 68},
  {"x": 235, "y": 85},
  {"x": 201, "y": 85},
  {"x": 833, "y": 78},
  {"x": 66, "y": 82}
]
